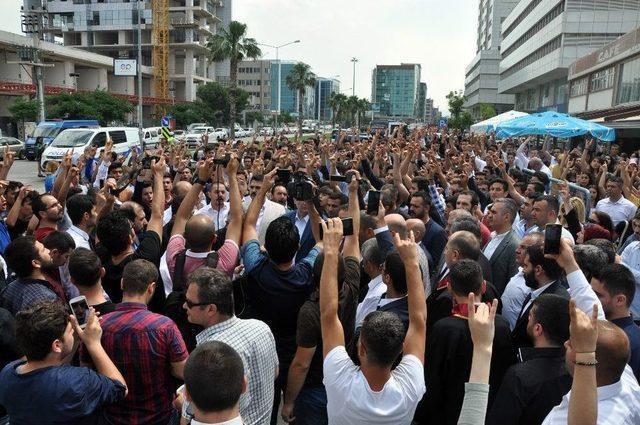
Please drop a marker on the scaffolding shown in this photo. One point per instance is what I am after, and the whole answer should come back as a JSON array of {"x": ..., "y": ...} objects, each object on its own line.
[{"x": 161, "y": 53}]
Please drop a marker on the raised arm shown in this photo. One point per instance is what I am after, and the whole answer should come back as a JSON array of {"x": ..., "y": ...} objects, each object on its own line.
[
  {"x": 249, "y": 228},
  {"x": 157, "y": 205},
  {"x": 186, "y": 207},
  {"x": 332, "y": 331},
  {"x": 414, "y": 341},
  {"x": 7, "y": 162},
  {"x": 234, "y": 228},
  {"x": 351, "y": 246},
  {"x": 14, "y": 213}
]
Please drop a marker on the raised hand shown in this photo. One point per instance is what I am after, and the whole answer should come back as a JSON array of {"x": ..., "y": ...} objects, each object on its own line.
[
  {"x": 583, "y": 329},
  {"x": 406, "y": 247},
  {"x": 481, "y": 322}
]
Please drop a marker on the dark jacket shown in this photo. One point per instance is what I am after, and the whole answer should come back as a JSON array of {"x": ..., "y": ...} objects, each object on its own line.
[
  {"x": 307, "y": 241},
  {"x": 503, "y": 261}
]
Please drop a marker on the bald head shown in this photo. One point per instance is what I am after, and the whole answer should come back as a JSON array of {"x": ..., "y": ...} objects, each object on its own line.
[
  {"x": 418, "y": 228},
  {"x": 199, "y": 233},
  {"x": 396, "y": 224},
  {"x": 612, "y": 353},
  {"x": 181, "y": 189}
]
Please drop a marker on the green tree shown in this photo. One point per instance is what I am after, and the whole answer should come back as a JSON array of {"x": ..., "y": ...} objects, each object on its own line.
[
  {"x": 232, "y": 43},
  {"x": 251, "y": 116},
  {"x": 299, "y": 79},
  {"x": 24, "y": 110},
  {"x": 487, "y": 111},
  {"x": 337, "y": 103},
  {"x": 460, "y": 119},
  {"x": 99, "y": 105},
  {"x": 216, "y": 98},
  {"x": 187, "y": 113}
]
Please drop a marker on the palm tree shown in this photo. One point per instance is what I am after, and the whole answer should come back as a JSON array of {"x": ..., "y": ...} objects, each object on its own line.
[
  {"x": 231, "y": 43},
  {"x": 352, "y": 107},
  {"x": 362, "y": 107},
  {"x": 337, "y": 102},
  {"x": 299, "y": 79}
]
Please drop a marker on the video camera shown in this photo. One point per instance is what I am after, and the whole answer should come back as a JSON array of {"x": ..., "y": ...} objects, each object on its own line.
[{"x": 300, "y": 188}]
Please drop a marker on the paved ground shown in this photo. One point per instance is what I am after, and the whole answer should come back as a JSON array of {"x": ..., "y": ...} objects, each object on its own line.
[{"x": 26, "y": 172}]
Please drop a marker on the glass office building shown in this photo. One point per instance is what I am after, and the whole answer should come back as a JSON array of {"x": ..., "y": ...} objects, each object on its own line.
[
  {"x": 396, "y": 88},
  {"x": 324, "y": 88},
  {"x": 288, "y": 97}
]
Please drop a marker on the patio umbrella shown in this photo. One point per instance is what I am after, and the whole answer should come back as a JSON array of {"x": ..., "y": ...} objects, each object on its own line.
[
  {"x": 554, "y": 124},
  {"x": 491, "y": 123}
]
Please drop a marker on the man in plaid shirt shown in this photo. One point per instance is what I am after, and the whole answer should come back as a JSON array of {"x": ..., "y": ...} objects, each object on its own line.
[{"x": 146, "y": 347}]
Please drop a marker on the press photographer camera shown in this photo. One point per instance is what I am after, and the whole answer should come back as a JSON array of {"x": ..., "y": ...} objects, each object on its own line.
[{"x": 301, "y": 187}]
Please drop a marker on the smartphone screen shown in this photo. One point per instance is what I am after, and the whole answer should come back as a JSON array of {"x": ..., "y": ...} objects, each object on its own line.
[
  {"x": 283, "y": 175},
  {"x": 373, "y": 202},
  {"x": 80, "y": 309},
  {"x": 336, "y": 178},
  {"x": 552, "y": 235},
  {"x": 347, "y": 227}
]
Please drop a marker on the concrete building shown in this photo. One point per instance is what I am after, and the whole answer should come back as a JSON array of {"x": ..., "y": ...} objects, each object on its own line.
[
  {"x": 324, "y": 88},
  {"x": 94, "y": 72},
  {"x": 541, "y": 38},
  {"x": 289, "y": 98},
  {"x": 396, "y": 88},
  {"x": 254, "y": 77},
  {"x": 109, "y": 27},
  {"x": 483, "y": 72},
  {"x": 422, "y": 102},
  {"x": 429, "y": 111},
  {"x": 604, "y": 86}
]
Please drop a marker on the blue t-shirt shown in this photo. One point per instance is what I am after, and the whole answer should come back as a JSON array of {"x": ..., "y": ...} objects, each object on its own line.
[{"x": 56, "y": 394}]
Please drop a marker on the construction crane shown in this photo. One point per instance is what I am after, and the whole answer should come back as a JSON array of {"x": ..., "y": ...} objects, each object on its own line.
[{"x": 160, "y": 41}]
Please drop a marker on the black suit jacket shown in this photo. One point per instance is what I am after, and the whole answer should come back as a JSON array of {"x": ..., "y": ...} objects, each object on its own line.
[
  {"x": 503, "y": 261},
  {"x": 401, "y": 308},
  {"x": 519, "y": 334}
]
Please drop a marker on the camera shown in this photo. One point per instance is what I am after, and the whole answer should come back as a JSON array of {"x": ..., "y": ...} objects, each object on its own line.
[
  {"x": 300, "y": 188},
  {"x": 222, "y": 161},
  {"x": 146, "y": 161}
]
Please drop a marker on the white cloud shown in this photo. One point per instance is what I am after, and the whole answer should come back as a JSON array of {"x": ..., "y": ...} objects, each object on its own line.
[{"x": 438, "y": 34}]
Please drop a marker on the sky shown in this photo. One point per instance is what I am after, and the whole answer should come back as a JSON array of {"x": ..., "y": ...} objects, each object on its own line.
[{"x": 438, "y": 34}]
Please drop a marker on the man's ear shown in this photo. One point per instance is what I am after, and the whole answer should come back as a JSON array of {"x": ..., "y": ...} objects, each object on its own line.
[
  {"x": 121, "y": 284},
  {"x": 245, "y": 384},
  {"x": 151, "y": 288},
  {"x": 102, "y": 272}
]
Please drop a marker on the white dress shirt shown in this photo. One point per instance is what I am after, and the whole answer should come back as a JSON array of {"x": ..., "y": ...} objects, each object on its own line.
[
  {"x": 370, "y": 301},
  {"x": 620, "y": 210},
  {"x": 493, "y": 243},
  {"x": 513, "y": 296},
  {"x": 235, "y": 421},
  {"x": 219, "y": 217},
  {"x": 618, "y": 403},
  {"x": 631, "y": 258},
  {"x": 79, "y": 236},
  {"x": 301, "y": 223}
]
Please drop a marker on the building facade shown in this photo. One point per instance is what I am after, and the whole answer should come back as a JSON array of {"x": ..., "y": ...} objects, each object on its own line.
[
  {"x": 605, "y": 86},
  {"x": 324, "y": 88},
  {"x": 254, "y": 77},
  {"x": 396, "y": 88},
  {"x": 422, "y": 102},
  {"x": 289, "y": 98},
  {"x": 109, "y": 27},
  {"x": 541, "y": 38}
]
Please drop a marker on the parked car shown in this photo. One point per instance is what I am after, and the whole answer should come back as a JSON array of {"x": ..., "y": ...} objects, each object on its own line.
[
  {"x": 48, "y": 130},
  {"x": 151, "y": 135},
  {"x": 124, "y": 139},
  {"x": 266, "y": 131},
  {"x": 14, "y": 145}
]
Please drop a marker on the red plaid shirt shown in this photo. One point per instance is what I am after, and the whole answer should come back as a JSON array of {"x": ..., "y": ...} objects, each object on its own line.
[{"x": 142, "y": 345}]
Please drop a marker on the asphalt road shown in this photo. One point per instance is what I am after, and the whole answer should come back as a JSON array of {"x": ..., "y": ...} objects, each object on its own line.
[{"x": 26, "y": 171}]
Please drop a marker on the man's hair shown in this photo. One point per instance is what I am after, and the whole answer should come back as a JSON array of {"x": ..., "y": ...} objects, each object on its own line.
[
  {"x": 137, "y": 276},
  {"x": 510, "y": 207},
  {"x": 537, "y": 258},
  {"x": 214, "y": 287},
  {"x": 371, "y": 252},
  {"x": 468, "y": 224},
  {"x": 77, "y": 205},
  {"x": 590, "y": 259},
  {"x": 62, "y": 241},
  {"x": 466, "y": 243},
  {"x": 128, "y": 209},
  {"x": 214, "y": 362},
  {"x": 426, "y": 199},
  {"x": 84, "y": 267},
  {"x": 394, "y": 267},
  {"x": 537, "y": 187},
  {"x": 282, "y": 240},
  {"x": 465, "y": 276},
  {"x": 552, "y": 202},
  {"x": 114, "y": 230},
  {"x": 606, "y": 246},
  {"x": 337, "y": 196},
  {"x": 113, "y": 166},
  {"x": 502, "y": 182},
  {"x": 38, "y": 326},
  {"x": 475, "y": 200},
  {"x": 317, "y": 270},
  {"x": 20, "y": 253},
  {"x": 382, "y": 334},
  {"x": 367, "y": 221},
  {"x": 614, "y": 179},
  {"x": 38, "y": 205},
  {"x": 552, "y": 312},
  {"x": 617, "y": 279}
]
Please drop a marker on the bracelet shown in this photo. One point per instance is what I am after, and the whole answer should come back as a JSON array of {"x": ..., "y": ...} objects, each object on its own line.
[
  {"x": 593, "y": 363},
  {"x": 584, "y": 352}
]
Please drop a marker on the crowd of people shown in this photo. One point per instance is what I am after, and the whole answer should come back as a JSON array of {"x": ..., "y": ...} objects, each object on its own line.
[{"x": 398, "y": 279}]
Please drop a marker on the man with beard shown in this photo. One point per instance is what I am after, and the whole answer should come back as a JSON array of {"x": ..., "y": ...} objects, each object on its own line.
[
  {"x": 218, "y": 209},
  {"x": 50, "y": 212},
  {"x": 27, "y": 258},
  {"x": 435, "y": 238},
  {"x": 279, "y": 194},
  {"x": 44, "y": 386}
]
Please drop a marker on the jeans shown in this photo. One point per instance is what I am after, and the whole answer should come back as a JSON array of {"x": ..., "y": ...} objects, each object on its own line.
[{"x": 311, "y": 407}]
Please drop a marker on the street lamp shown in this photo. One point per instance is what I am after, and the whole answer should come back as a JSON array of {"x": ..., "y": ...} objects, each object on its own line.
[
  {"x": 279, "y": 72},
  {"x": 353, "y": 92}
]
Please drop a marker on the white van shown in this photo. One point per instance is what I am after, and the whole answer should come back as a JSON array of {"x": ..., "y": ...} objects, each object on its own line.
[
  {"x": 124, "y": 138},
  {"x": 150, "y": 136}
]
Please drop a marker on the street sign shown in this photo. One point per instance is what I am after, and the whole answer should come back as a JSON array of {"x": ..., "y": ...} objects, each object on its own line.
[
  {"x": 442, "y": 123},
  {"x": 166, "y": 134},
  {"x": 125, "y": 67},
  {"x": 164, "y": 122}
]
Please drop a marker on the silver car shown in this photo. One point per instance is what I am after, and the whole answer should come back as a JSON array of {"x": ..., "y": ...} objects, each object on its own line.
[{"x": 16, "y": 146}]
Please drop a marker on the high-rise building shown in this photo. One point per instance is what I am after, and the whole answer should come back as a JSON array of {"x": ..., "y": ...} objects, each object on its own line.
[
  {"x": 429, "y": 110},
  {"x": 396, "y": 88},
  {"x": 483, "y": 72},
  {"x": 324, "y": 88},
  {"x": 540, "y": 40},
  {"x": 254, "y": 77},
  {"x": 289, "y": 98},
  {"x": 422, "y": 102},
  {"x": 109, "y": 27}
]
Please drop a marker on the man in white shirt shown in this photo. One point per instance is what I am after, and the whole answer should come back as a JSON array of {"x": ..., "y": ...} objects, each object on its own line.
[
  {"x": 84, "y": 217},
  {"x": 631, "y": 258},
  {"x": 618, "y": 390},
  {"x": 214, "y": 361},
  {"x": 545, "y": 211},
  {"x": 372, "y": 261},
  {"x": 372, "y": 393},
  {"x": 617, "y": 206},
  {"x": 218, "y": 209}
]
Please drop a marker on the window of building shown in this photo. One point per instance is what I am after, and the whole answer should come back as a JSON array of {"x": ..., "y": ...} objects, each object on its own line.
[
  {"x": 579, "y": 87},
  {"x": 602, "y": 80},
  {"x": 629, "y": 86}
]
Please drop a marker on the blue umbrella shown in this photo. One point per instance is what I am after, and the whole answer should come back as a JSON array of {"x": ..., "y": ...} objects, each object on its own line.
[{"x": 554, "y": 124}]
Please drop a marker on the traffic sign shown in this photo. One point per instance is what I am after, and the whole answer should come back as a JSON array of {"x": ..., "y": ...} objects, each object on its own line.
[
  {"x": 164, "y": 122},
  {"x": 442, "y": 123}
]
